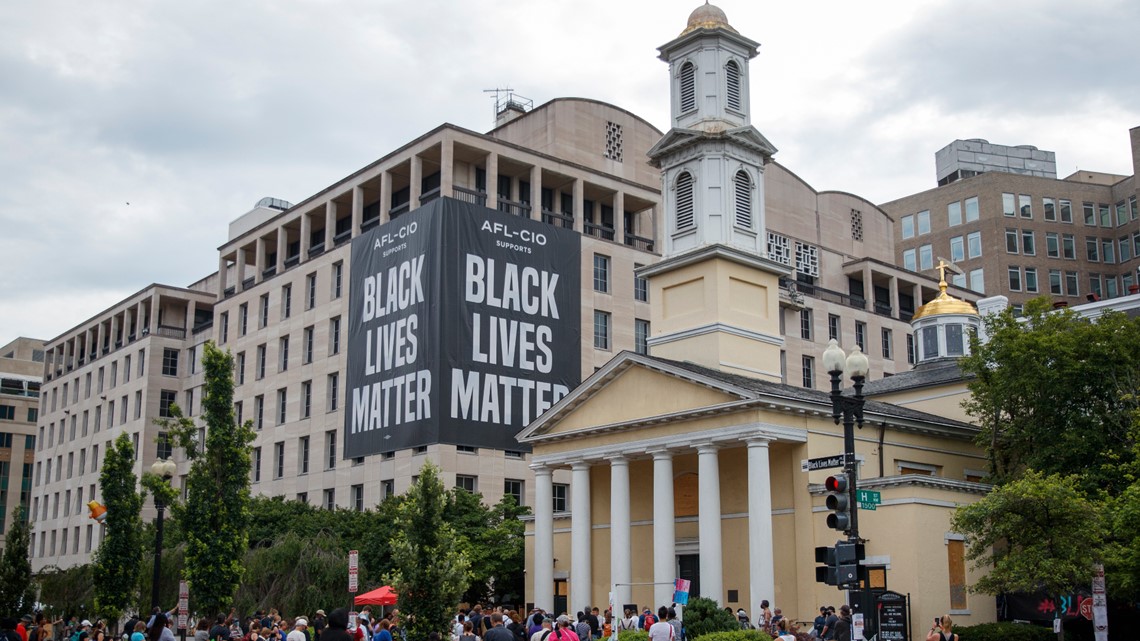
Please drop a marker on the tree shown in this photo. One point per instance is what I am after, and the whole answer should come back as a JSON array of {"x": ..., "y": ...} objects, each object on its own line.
[
  {"x": 1055, "y": 392},
  {"x": 1038, "y": 533},
  {"x": 17, "y": 594},
  {"x": 703, "y": 616},
  {"x": 116, "y": 562},
  {"x": 431, "y": 569},
  {"x": 215, "y": 517}
]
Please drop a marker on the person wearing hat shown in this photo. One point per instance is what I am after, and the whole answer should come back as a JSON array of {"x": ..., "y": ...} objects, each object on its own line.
[
  {"x": 319, "y": 624},
  {"x": 298, "y": 633}
]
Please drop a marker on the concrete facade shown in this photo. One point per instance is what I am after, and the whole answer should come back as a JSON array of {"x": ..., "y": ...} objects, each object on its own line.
[{"x": 21, "y": 373}]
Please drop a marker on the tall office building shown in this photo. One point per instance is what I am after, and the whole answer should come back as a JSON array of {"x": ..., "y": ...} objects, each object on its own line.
[
  {"x": 21, "y": 371},
  {"x": 1023, "y": 233}
]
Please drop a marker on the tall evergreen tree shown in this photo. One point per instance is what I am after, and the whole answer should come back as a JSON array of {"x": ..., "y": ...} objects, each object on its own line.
[
  {"x": 17, "y": 594},
  {"x": 116, "y": 562},
  {"x": 431, "y": 571},
  {"x": 215, "y": 517}
]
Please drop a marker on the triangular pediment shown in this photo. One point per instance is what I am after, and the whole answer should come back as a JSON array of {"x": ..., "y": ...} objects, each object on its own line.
[{"x": 677, "y": 139}]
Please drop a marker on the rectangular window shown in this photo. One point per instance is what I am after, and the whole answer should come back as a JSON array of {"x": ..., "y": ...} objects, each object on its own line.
[
  {"x": 1121, "y": 213},
  {"x": 1094, "y": 285},
  {"x": 808, "y": 365},
  {"x": 279, "y": 460},
  {"x": 1031, "y": 280},
  {"x": 1107, "y": 252},
  {"x": 337, "y": 279},
  {"x": 1052, "y": 245},
  {"x": 601, "y": 329},
  {"x": 1025, "y": 206},
  {"x": 1125, "y": 249},
  {"x": 909, "y": 260},
  {"x": 330, "y": 499},
  {"x": 1071, "y": 288},
  {"x": 1014, "y": 279},
  {"x": 169, "y": 364},
  {"x": 910, "y": 354},
  {"x": 258, "y": 411},
  {"x": 1066, "y": 207},
  {"x": 1050, "y": 213},
  {"x": 887, "y": 349},
  {"x": 282, "y": 398},
  {"x": 387, "y": 489},
  {"x": 806, "y": 324},
  {"x": 243, "y": 319},
  {"x": 641, "y": 336},
  {"x": 861, "y": 335},
  {"x": 833, "y": 327},
  {"x": 239, "y": 365},
  {"x": 923, "y": 222},
  {"x": 260, "y": 374},
  {"x": 560, "y": 492},
  {"x": 263, "y": 313},
  {"x": 971, "y": 209},
  {"x": 330, "y": 449},
  {"x": 925, "y": 257},
  {"x": 513, "y": 488},
  {"x": 1104, "y": 212},
  {"x": 1028, "y": 243},
  {"x": 306, "y": 399},
  {"x": 1069, "y": 246},
  {"x": 1010, "y": 241},
  {"x": 138, "y": 411},
  {"x": 166, "y": 398},
  {"x": 957, "y": 249},
  {"x": 908, "y": 226},
  {"x": 358, "y": 498},
  {"x": 334, "y": 335},
  {"x": 954, "y": 213},
  {"x": 601, "y": 273},
  {"x": 1008, "y": 205},
  {"x": 466, "y": 482},
  {"x": 640, "y": 286},
  {"x": 1055, "y": 281},
  {"x": 956, "y": 559},
  {"x": 1110, "y": 291},
  {"x": 311, "y": 291},
  {"x": 127, "y": 371},
  {"x": 1089, "y": 210},
  {"x": 974, "y": 244},
  {"x": 303, "y": 449},
  {"x": 283, "y": 353},
  {"x": 307, "y": 348},
  {"x": 1092, "y": 249},
  {"x": 977, "y": 280},
  {"x": 333, "y": 390},
  {"x": 286, "y": 301},
  {"x": 224, "y": 321}
]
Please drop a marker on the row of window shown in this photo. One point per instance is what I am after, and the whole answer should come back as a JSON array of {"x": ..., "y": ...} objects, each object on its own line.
[
  {"x": 733, "y": 73},
  {"x": 68, "y": 392},
  {"x": 331, "y": 403},
  {"x": 1095, "y": 214},
  {"x": 336, "y": 290},
  {"x": 47, "y": 542},
  {"x": 6, "y": 439},
  {"x": 8, "y": 413},
  {"x": 742, "y": 189},
  {"x": 806, "y": 256},
  {"x": 602, "y": 331},
  {"x": 602, "y": 279},
  {"x": 919, "y": 224},
  {"x": 1060, "y": 283},
  {"x": 308, "y": 339}
]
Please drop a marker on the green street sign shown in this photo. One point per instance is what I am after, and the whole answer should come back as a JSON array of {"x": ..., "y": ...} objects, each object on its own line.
[{"x": 868, "y": 497}]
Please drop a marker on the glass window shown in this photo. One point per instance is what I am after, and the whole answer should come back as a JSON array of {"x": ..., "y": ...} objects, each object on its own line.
[
  {"x": 1092, "y": 249},
  {"x": 1125, "y": 249},
  {"x": 1069, "y": 246},
  {"x": 1105, "y": 213},
  {"x": 1010, "y": 241},
  {"x": 1055, "y": 281},
  {"x": 929, "y": 337},
  {"x": 1025, "y": 206},
  {"x": 909, "y": 260},
  {"x": 808, "y": 366},
  {"x": 1110, "y": 291},
  {"x": 1090, "y": 214},
  {"x": 1121, "y": 213},
  {"x": 1107, "y": 251},
  {"x": 1028, "y": 245},
  {"x": 560, "y": 493},
  {"x": 974, "y": 244},
  {"x": 886, "y": 337},
  {"x": 923, "y": 222},
  {"x": 908, "y": 226},
  {"x": 971, "y": 209},
  {"x": 954, "y": 342},
  {"x": 957, "y": 249},
  {"x": 954, "y": 213},
  {"x": 640, "y": 286},
  {"x": 806, "y": 324},
  {"x": 641, "y": 336},
  {"x": 833, "y": 326},
  {"x": 601, "y": 273},
  {"x": 1066, "y": 208},
  {"x": 977, "y": 280},
  {"x": 601, "y": 329},
  {"x": 1052, "y": 245},
  {"x": 1071, "y": 288},
  {"x": 1031, "y": 279},
  {"x": 169, "y": 363},
  {"x": 861, "y": 335},
  {"x": 1008, "y": 205},
  {"x": 1136, "y": 244},
  {"x": 1094, "y": 285},
  {"x": 1050, "y": 212},
  {"x": 926, "y": 257},
  {"x": 1014, "y": 279}
]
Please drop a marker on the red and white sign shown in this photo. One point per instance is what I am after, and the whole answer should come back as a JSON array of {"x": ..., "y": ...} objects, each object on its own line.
[
  {"x": 353, "y": 567},
  {"x": 1099, "y": 605},
  {"x": 183, "y": 604},
  {"x": 1086, "y": 607}
]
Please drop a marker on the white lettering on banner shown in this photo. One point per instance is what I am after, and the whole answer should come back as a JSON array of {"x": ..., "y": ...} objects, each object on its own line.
[
  {"x": 531, "y": 292},
  {"x": 489, "y": 398},
  {"x": 392, "y": 236},
  {"x": 396, "y": 345},
  {"x": 512, "y": 343},
  {"x": 402, "y": 399},
  {"x": 400, "y": 288},
  {"x": 525, "y": 235}
]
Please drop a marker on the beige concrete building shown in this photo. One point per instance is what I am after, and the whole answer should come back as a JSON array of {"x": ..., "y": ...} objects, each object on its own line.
[
  {"x": 686, "y": 462},
  {"x": 21, "y": 372},
  {"x": 1019, "y": 233}
]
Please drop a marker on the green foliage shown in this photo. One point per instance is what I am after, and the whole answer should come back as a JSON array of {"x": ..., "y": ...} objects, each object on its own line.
[
  {"x": 493, "y": 542},
  {"x": 296, "y": 574},
  {"x": 66, "y": 592},
  {"x": 1004, "y": 632},
  {"x": 215, "y": 518},
  {"x": 1036, "y": 533},
  {"x": 703, "y": 616},
  {"x": 732, "y": 635},
  {"x": 1056, "y": 393},
  {"x": 431, "y": 569},
  {"x": 633, "y": 635},
  {"x": 116, "y": 562},
  {"x": 1122, "y": 554},
  {"x": 17, "y": 594}
]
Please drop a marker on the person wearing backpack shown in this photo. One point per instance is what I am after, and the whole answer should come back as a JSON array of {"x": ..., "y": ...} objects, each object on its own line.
[
  {"x": 647, "y": 620},
  {"x": 544, "y": 631}
]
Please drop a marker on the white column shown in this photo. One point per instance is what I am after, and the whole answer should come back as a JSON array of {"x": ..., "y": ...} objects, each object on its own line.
[
  {"x": 621, "y": 563},
  {"x": 415, "y": 183},
  {"x": 664, "y": 532},
  {"x": 708, "y": 481},
  {"x": 357, "y": 209},
  {"x": 493, "y": 185},
  {"x": 306, "y": 234},
  {"x": 761, "y": 566},
  {"x": 330, "y": 224},
  {"x": 543, "y": 595},
  {"x": 386, "y": 197},
  {"x": 536, "y": 192},
  {"x": 580, "y": 526},
  {"x": 446, "y": 166}
]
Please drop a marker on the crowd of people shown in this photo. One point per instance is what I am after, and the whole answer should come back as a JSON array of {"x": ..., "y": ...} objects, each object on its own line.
[{"x": 474, "y": 624}]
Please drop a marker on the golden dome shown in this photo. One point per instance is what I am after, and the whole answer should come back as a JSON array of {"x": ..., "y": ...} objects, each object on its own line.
[
  {"x": 707, "y": 16},
  {"x": 944, "y": 304}
]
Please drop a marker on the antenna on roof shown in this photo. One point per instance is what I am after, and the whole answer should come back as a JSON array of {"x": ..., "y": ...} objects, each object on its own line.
[
  {"x": 508, "y": 104},
  {"x": 499, "y": 93}
]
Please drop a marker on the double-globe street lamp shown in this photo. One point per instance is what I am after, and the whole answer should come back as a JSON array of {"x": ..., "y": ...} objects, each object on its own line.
[
  {"x": 163, "y": 469},
  {"x": 849, "y": 410}
]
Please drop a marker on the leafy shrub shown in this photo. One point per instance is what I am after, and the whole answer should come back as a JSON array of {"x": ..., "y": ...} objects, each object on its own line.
[
  {"x": 633, "y": 635},
  {"x": 732, "y": 635},
  {"x": 703, "y": 616},
  {"x": 1004, "y": 632}
]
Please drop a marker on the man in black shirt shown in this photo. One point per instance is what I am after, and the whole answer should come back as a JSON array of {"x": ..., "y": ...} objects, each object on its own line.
[
  {"x": 843, "y": 625},
  {"x": 319, "y": 623},
  {"x": 337, "y": 628},
  {"x": 497, "y": 632}
]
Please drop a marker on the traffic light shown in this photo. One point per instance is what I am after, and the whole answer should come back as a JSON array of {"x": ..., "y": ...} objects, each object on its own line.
[
  {"x": 848, "y": 570},
  {"x": 838, "y": 502},
  {"x": 826, "y": 572}
]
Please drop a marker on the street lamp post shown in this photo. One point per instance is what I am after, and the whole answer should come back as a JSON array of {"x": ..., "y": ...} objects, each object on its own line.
[
  {"x": 849, "y": 410},
  {"x": 164, "y": 469}
]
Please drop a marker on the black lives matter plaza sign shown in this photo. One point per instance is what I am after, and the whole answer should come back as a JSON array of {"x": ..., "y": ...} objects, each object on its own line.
[{"x": 464, "y": 326}]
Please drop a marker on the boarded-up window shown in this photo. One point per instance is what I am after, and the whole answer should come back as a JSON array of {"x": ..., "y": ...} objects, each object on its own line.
[
  {"x": 877, "y": 578},
  {"x": 686, "y": 497},
  {"x": 956, "y": 553}
]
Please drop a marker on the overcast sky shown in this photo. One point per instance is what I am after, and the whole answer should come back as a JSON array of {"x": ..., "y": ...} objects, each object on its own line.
[{"x": 192, "y": 111}]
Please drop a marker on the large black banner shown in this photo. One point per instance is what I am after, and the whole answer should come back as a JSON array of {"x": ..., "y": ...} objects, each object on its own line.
[{"x": 464, "y": 325}]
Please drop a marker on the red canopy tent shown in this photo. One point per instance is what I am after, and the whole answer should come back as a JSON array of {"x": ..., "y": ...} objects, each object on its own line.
[{"x": 380, "y": 596}]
